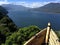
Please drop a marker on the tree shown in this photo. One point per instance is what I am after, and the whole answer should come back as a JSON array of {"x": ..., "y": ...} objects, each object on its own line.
[{"x": 22, "y": 35}]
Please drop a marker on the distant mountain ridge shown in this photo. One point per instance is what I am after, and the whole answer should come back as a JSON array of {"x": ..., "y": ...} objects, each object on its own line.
[
  {"x": 51, "y": 7},
  {"x": 14, "y": 7}
]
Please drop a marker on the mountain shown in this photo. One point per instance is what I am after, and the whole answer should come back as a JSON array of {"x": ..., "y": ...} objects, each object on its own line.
[
  {"x": 51, "y": 7},
  {"x": 12, "y": 7},
  {"x": 2, "y": 12},
  {"x": 7, "y": 26}
]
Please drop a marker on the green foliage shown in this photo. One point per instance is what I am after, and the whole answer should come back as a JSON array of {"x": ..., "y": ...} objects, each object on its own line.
[
  {"x": 58, "y": 33},
  {"x": 7, "y": 22},
  {"x": 22, "y": 35},
  {"x": 7, "y": 27}
]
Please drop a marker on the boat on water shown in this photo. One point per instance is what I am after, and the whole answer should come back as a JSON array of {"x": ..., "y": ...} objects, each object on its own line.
[{"x": 45, "y": 37}]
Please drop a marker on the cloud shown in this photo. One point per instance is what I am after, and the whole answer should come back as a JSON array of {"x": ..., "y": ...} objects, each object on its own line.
[
  {"x": 1, "y": 2},
  {"x": 31, "y": 4},
  {"x": 28, "y": 4},
  {"x": 35, "y": 4},
  {"x": 4, "y": 2}
]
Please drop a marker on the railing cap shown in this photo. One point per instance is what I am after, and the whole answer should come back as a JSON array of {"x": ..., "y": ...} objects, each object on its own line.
[{"x": 49, "y": 24}]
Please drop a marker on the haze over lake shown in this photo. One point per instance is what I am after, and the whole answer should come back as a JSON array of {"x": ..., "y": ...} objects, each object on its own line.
[{"x": 26, "y": 18}]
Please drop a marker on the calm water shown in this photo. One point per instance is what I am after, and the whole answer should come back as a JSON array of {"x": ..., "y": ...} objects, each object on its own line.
[{"x": 23, "y": 18}]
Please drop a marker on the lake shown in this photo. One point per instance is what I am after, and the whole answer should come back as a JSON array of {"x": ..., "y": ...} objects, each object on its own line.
[{"x": 40, "y": 19}]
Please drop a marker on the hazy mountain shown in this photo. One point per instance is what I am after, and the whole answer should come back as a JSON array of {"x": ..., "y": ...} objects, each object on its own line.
[
  {"x": 51, "y": 7},
  {"x": 2, "y": 10},
  {"x": 12, "y": 7}
]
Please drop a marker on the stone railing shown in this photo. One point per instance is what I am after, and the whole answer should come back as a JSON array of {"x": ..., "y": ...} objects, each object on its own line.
[{"x": 53, "y": 39}]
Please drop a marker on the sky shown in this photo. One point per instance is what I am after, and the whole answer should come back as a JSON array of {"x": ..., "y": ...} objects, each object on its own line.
[{"x": 29, "y": 3}]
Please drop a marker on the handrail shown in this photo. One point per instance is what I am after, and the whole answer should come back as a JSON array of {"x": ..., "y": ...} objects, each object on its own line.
[{"x": 47, "y": 34}]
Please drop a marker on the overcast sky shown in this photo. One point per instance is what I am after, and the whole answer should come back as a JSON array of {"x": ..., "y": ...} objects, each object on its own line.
[{"x": 29, "y": 3}]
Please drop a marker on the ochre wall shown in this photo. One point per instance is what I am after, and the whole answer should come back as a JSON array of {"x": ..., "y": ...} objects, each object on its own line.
[{"x": 38, "y": 39}]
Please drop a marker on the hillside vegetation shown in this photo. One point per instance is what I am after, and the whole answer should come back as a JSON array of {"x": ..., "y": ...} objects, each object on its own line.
[
  {"x": 22, "y": 35},
  {"x": 58, "y": 33},
  {"x": 7, "y": 27}
]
